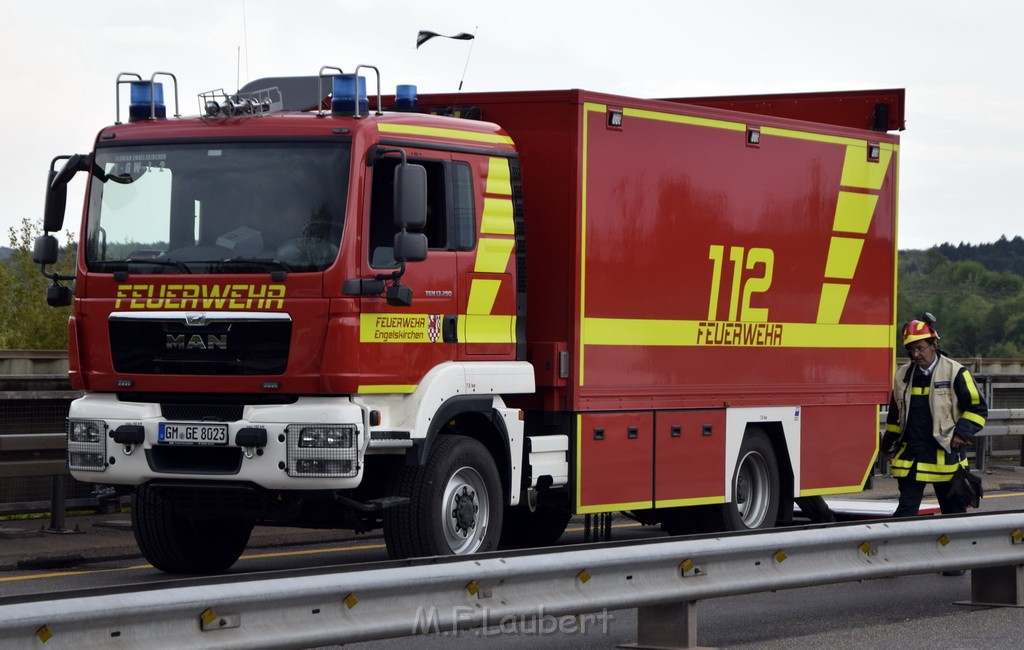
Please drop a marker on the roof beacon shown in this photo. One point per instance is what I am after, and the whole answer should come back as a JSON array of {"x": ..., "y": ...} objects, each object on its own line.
[
  {"x": 405, "y": 98},
  {"x": 147, "y": 101},
  {"x": 343, "y": 97}
]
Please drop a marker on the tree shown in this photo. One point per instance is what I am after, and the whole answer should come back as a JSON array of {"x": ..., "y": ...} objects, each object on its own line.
[{"x": 26, "y": 321}]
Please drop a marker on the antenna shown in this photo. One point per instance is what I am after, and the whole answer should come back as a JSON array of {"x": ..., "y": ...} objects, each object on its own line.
[
  {"x": 245, "y": 40},
  {"x": 466, "y": 67}
]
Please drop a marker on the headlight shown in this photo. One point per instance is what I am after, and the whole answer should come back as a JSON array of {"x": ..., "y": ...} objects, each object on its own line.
[
  {"x": 322, "y": 450},
  {"x": 85, "y": 431},
  {"x": 87, "y": 445},
  {"x": 324, "y": 437}
]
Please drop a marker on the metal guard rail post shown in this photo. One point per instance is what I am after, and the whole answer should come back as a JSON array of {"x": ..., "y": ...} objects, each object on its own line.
[{"x": 663, "y": 579}]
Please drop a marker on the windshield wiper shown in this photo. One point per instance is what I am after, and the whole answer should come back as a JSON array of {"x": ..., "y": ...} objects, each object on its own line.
[
  {"x": 178, "y": 264},
  {"x": 265, "y": 262}
]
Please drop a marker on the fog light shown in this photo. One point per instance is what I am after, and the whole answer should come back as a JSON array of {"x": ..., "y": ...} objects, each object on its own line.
[{"x": 87, "y": 461}]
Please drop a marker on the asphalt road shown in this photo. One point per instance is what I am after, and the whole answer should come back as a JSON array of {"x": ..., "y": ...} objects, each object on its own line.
[{"x": 906, "y": 612}]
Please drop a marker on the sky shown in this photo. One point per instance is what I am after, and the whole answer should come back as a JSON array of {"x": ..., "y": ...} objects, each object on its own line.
[{"x": 961, "y": 169}]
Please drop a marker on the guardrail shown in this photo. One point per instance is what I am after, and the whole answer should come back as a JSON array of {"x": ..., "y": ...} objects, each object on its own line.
[{"x": 662, "y": 579}]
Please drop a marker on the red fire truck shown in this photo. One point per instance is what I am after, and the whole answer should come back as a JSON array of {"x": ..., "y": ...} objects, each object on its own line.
[{"x": 464, "y": 318}]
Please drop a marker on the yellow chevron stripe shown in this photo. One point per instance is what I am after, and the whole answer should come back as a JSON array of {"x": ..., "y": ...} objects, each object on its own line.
[
  {"x": 858, "y": 171},
  {"x": 854, "y": 211},
  {"x": 493, "y": 255},
  {"x": 497, "y": 217},
  {"x": 843, "y": 255},
  {"x": 499, "y": 177}
]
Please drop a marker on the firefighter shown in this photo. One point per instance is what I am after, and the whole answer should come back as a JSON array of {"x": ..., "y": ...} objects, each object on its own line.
[{"x": 935, "y": 411}]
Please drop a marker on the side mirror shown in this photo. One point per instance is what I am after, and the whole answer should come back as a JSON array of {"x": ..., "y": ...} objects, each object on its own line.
[
  {"x": 410, "y": 246},
  {"x": 55, "y": 202},
  {"x": 45, "y": 250},
  {"x": 56, "y": 188},
  {"x": 57, "y": 295},
  {"x": 410, "y": 196}
]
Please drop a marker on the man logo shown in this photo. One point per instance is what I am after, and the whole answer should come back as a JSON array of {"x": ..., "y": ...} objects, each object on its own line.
[
  {"x": 197, "y": 342},
  {"x": 195, "y": 320}
]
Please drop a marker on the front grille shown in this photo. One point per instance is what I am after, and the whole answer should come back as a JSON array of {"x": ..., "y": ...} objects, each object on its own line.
[
  {"x": 169, "y": 346},
  {"x": 202, "y": 412},
  {"x": 195, "y": 460}
]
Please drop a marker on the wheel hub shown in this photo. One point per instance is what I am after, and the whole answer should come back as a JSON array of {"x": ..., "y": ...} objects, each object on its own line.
[{"x": 464, "y": 510}]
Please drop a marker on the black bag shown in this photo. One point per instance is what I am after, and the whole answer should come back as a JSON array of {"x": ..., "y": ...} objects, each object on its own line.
[{"x": 965, "y": 488}]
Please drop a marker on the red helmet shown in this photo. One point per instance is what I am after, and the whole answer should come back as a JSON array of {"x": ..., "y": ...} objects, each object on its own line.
[{"x": 917, "y": 330}]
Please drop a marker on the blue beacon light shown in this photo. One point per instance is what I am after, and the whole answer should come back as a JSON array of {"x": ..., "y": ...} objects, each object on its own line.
[
  {"x": 405, "y": 97},
  {"x": 343, "y": 96},
  {"x": 142, "y": 105}
]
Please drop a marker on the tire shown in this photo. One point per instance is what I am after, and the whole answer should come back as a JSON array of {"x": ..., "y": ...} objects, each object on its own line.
[
  {"x": 455, "y": 503},
  {"x": 755, "y": 491},
  {"x": 175, "y": 544},
  {"x": 524, "y": 526}
]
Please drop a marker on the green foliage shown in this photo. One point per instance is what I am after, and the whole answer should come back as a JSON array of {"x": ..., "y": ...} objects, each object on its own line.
[
  {"x": 978, "y": 298},
  {"x": 26, "y": 321}
]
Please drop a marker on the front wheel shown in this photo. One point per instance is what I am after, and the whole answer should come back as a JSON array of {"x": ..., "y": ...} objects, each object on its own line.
[
  {"x": 455, "y": 503},
  {"x": 176, "y": 544}
]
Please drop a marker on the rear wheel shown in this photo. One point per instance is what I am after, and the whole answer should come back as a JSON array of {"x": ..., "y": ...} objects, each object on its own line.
[
  {"x": 533, "y": 524},
  {"x": 176, "y": 544},
  {"x": 755, "y": 495},
  {"x": 455, "y": 503},
  {"x": 755, "y": 488}
]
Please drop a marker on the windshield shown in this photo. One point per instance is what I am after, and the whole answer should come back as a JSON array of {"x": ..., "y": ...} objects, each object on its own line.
[{"x": 217, "y": 208}]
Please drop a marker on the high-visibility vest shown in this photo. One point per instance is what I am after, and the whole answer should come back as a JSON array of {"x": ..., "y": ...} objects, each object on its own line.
[{"x": 945, "y": 412}]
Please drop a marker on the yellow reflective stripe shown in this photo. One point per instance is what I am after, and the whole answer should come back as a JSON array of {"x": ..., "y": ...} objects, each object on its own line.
[
  {"x": 843, "y": 255},
  {"x": 972, "y": 388},
  {"x": 833, "y": 299},
  {"x": 682, "y": 333},
  {"x": 819, "y": 137},
  {"x": 454, "y": 134},
  {"x": 493, "y": 254},
  {"x": 974, "y": 417},
  {"x": 920, "y": 390},
  {"x": 854, "y": 211},
  {"x": 697, "y": 501},
  {"x": 382, "y": 389},
  {"x": 894, "y": 428},
  {"x": 499, "y": 177},
  {"x": 487, "y": 328},
  {"x": 497, "y": 217},
  {"x": 858, "y": 171},
  {"x": 683, "y": 119}
]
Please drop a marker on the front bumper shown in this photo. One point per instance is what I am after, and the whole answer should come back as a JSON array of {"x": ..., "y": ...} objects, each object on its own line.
[{"x": 315, "y": 443}]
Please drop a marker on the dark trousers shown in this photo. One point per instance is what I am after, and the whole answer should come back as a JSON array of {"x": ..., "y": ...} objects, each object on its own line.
[{"x": 911, "y": 492}]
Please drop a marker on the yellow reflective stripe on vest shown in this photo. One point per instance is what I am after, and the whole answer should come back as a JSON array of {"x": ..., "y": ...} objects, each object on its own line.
[
  {"x": 920, "y": 390},
  {"x": 938, "y": 472},
  {"x": 974, "y": 417},
  {"x": 972, "y": 388}
]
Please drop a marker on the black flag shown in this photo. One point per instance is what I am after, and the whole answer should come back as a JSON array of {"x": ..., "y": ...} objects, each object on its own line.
[{"x": 425, "y": 36}]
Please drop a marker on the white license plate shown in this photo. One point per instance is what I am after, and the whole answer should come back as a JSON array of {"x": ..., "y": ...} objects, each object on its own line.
[{"x": 193, "y": 433}]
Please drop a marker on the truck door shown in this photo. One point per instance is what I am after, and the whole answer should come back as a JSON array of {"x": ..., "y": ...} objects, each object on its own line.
[{"x": 411, "y": 340}]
